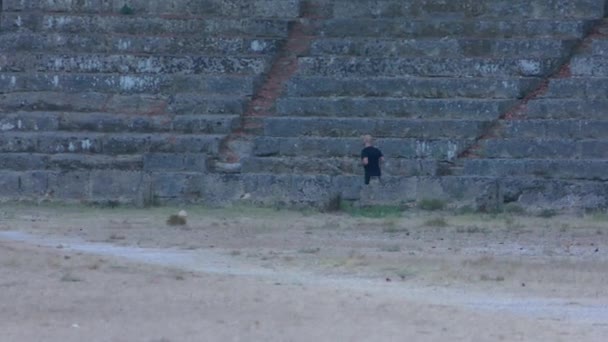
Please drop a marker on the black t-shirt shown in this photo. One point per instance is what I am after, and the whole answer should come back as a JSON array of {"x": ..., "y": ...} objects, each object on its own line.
[{"x": 373, "y": 156}]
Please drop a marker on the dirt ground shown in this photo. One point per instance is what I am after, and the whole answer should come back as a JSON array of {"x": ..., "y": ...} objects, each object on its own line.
[{"x": 75, "y": 273}]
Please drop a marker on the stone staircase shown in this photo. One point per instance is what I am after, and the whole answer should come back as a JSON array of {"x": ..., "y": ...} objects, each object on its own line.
[
  {"x": 476, "y": 102},
  {"x": 430, "y": 79},
  {"x": 101, "y": 104},
  {"x": 553, "y": 152}
]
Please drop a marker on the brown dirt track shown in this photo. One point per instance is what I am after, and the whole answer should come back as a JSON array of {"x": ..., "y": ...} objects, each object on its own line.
[{"x": 72, "y": 273}]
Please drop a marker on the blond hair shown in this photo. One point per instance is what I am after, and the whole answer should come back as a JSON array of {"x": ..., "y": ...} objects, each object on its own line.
[{"x": 368, "y": 139}]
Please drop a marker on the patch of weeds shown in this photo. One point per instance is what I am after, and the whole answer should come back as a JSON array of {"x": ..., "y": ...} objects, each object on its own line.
[
  {"x": 392, "y": 229},
  {"x": 376, "y": 211},
  {"x": 94, "y": 267},
  {"x": 115, "y": 237},
  {"x": 485, "y": 277},
  {"x": 471, "y": 230},
  {"x": 70, "y": 278},
  {"x": 547, "y": 213},
  {"x": 599, "y": 216},
  {"x": 514, "y": 208},
  {"x": 309, "y": 250},
  {"x": 391, "y": 248},
  {"x": 512, "y": 223},
  {"x": 431, "y": 204},
  {"x": 176, "y": 220},
  {"x": 126, "y": 10},
  {"x": 235, "y": 253},
  {"x": 405, "y": 273},
  {"x": 436, "y": 222},
  {"x": 564, "y": 227}
]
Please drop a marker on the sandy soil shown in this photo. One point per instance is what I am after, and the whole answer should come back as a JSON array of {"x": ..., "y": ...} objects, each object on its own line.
[{"x": 244, "y": 274}]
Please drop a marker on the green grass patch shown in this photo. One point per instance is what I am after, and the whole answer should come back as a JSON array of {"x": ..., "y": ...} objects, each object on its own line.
[
  {"x": 375, "y": 211},
  {"x": 431, "y": 204},
  {"x": 436, "y": 222},
  {"x": 514, "y": 208},
  {"x": 547, "y": 213}
]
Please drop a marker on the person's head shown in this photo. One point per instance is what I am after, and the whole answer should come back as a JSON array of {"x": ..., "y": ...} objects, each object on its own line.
[{"x": 368, "y": 140}]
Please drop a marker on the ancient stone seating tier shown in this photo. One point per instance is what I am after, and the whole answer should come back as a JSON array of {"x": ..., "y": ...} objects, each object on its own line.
[
  {"x": 100, "y": 102},
  {"x": 431, "y": 80},
  {"x": 474, "y": 101}
]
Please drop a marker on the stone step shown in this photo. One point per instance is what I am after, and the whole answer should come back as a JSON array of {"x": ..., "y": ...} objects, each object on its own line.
[
  {"x": 182, "y": 103},
  {"x": 442, "y": 149},
  {"x": 589, "y": 66},
  {"x": 107, "y": 143},
  {"x": 589, "y": 169},
  {"x": 440, "y": 28},
  {"x": 211, "y": 8},
  {"x": 471, "y": 109},
  {"x": 356, "y": 127},
  {"x": 68, "y": 162},
  {"x": 432, "y": 9},
  {"x": 577, "y": 87},
  {"x": 83, "y": 102},
  {"x": 599, "y": 46},
  {"x": 520, "y": 148},
  {"x": 103, "y": 43},
  {"x": 117, "y": 123},
  {"x": 336, "y": 166},
  {"x": 134, "y": 64},
  {"x": 444, "y": 47},
  {"x": 144, "y": 26},
  {"x": 555, "y": 129},
  {"x": 195, "y": 103},
  {"x": 128, "y": 83},
  {"x": 567, "y": 108},
  {"x": 150, "y": 162},
  {"x": 426, "y": 67},
  {"x": 413, "y": 87}
]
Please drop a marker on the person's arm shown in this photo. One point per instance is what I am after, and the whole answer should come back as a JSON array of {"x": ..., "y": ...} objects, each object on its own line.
[{"x": 364, "y": 159}]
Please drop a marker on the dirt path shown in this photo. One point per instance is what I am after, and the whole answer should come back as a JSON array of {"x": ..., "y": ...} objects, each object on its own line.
[{"x": 73, "y": 274}]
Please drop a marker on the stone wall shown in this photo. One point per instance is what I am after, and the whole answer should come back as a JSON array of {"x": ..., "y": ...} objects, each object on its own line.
[{"x": 477, "y": 103}]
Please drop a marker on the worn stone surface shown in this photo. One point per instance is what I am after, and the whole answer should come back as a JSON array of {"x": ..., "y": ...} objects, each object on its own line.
[
  {"x": 498, "y": 28},
  {"x": 102, "y": 106},
  {"x": 443, "y": 48},
  {"x": 411, "y": 87},
  {"x": 356, "y": 127},
  {"x": 212, "y": 8},
  {"x": 394, "y": 107},
  {"x": 426, "y": 67}
]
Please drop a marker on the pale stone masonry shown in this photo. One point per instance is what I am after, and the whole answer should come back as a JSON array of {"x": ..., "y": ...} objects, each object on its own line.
[{"x": 475, "y": 102}]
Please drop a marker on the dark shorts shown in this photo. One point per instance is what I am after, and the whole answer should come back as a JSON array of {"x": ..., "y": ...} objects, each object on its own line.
[{"x": 369, "y": 177}]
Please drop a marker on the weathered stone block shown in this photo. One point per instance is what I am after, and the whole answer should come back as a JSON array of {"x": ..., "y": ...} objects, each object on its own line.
[
  {"x": 426, "y": 67},
  {"x": 530, "y": 148},
  {"x": 345, "y": 27},
  {"x": 194, "y": 103},
  {"x": 176, "y": 186},
  {"x": 72, "y": 162},
  {"x": 566, "y": 108},
  {"x": 122, "y": 186},
  {"x": 23, "y": 161},
  {"x": 154, "y": 162},
  {"x": 71, "y": 185},
  {"x": 412, "y": 87},
  {"x": 356, "y": 127},
  {"x": 394, "y": 107}
]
